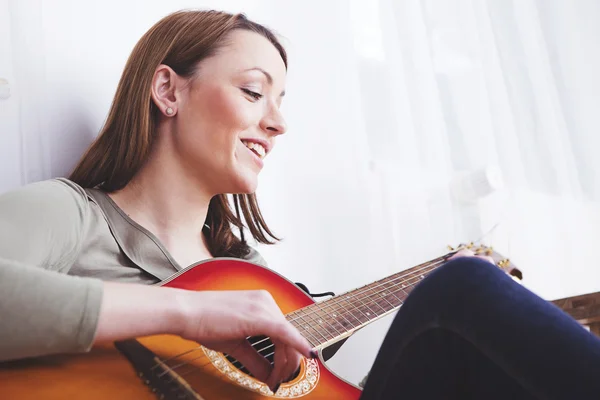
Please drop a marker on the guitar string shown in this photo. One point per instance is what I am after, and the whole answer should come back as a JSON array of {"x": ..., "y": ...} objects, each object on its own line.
[
  {"x": 419, "y": 271},
  {"x": 430, "y": 265},
  {"x": 337, "y": 306},
  {"x": 387, "y": 282},
  {"x": 313, "y": 309},
  {"x": 370, "y": 287},
  {"x": 236, "y": 364},
  {"x": 343, "y": 309}
]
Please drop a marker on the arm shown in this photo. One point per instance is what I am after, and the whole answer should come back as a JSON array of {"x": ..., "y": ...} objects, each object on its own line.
[
  {"x": 219, "y": 320},
  {"x": 44, "y": 312},
  {"x": 39, "y": 319}
]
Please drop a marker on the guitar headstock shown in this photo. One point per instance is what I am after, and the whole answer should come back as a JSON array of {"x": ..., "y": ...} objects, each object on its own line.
[{"x": 502, "y": 262}]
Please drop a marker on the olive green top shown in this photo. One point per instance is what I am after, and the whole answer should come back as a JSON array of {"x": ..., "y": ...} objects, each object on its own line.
[{"x": 57, "y": 242}]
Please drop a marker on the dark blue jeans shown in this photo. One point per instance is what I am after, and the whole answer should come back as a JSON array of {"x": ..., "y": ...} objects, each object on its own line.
[{"x": 468, "y": 331}]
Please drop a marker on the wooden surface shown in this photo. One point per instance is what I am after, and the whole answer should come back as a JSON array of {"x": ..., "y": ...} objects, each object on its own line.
[{"x": 584, "y": 308}]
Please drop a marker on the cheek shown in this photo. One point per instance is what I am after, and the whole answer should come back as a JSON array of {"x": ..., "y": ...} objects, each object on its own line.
[
  {"x": 228, "y": 112},
  {"x": 215, "y": 119}
]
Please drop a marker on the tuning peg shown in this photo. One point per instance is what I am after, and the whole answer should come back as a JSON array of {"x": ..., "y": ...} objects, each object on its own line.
[
  {"x": 450, "y": 248},
  {"x": 489, "y": 251},
  {"x": 470, "y": 245}
]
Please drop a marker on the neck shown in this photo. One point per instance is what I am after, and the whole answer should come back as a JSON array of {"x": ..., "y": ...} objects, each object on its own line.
[
  {"x": 327, "y": 322},
  {"x": 165, "y": 199}
]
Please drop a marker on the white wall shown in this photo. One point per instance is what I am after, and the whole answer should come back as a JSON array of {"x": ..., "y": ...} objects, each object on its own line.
[
  {"x": 388, "y": 101},
  {"x": 10, "y": 165}
]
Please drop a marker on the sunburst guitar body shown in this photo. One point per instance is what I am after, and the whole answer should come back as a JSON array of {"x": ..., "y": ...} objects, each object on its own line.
[{"x": 169, "y": 367}]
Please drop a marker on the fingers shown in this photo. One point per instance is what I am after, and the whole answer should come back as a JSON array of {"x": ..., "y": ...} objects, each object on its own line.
[
  {"x": 469, "y": 253},
  {"x": 285, "y": 332},
  {"x": 462, "y": 253},
  {"x": 287, "y": 361},
  {"x": 293, "y": 362},
  {"x": 289, "y": 344},
  {"x": 258, "y": 366},
  {"x": 280, "y": 360},
  {"x": 225, "y": 325}
]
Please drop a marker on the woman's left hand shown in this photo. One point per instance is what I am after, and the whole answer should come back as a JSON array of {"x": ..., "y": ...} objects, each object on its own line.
[{"x": 469, "y": 253}]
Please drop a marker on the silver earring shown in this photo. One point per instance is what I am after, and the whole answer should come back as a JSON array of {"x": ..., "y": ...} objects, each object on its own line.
[{"x": 169, "y": 111}]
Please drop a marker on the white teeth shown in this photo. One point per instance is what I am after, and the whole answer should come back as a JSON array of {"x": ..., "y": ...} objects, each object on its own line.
[{"x": 258, "y": 148}]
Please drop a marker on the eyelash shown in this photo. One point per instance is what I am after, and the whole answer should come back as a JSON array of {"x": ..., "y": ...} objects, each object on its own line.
[{"x": 254, "y": 95}]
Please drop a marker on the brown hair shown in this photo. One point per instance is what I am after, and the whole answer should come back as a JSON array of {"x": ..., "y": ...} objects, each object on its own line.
[{"x": 180, "y": 40}]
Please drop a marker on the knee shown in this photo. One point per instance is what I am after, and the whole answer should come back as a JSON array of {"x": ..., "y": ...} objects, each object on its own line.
[
  {"x": 468, "y": 270},
  {"x": 461, "y": 275},
  {"x": 465, "y": 267}
]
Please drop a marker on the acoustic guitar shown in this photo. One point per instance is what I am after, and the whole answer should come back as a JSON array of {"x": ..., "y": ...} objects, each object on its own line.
[{"x": 170, "y": 367}]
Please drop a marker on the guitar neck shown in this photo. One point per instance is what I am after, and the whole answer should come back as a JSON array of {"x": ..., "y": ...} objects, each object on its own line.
[{"x": 330, "y": 321}]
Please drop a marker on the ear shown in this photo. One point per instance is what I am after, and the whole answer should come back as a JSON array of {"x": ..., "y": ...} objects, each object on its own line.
[{"x": 164, "y": 93}]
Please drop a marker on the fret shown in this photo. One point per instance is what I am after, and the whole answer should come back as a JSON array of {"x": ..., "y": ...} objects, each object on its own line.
[
  {"x": 383, "y": 292},
  {"x": 337, "y": 318},
  {"x": 407, "y": 282},
  {"x": 383, "y": 295},
  {"x": 319, "y": 325},
  {"x": 361, "y": 317},
  {"x": 328, "y": 322},
  {"x": 325, "y": 321},
  {"x": 305, "y": 331},
  {"x": 369, "y": 312},
  {"x": 306, "y": 327},
  {"x": 389, "y": 289},
  {"x": 374, "y": 302},
  {"x": 401, "y": 286},
  {"x": 366, "y": 315},
  {"x": 316, "y": 312},
  {"x": 339, "y": 314},
  {"x": 398, "y": 299},
  {"x": 349, "y": 309}
]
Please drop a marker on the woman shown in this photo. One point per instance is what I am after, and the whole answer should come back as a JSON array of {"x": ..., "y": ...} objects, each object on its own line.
[{"x": 195, "y": 114}]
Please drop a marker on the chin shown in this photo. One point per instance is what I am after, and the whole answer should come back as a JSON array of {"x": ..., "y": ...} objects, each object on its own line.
[{"x": 245, "y": 185}]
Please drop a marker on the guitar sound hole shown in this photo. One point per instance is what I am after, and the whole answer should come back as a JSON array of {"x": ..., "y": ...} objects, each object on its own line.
[{"x": 265, "y": 347}]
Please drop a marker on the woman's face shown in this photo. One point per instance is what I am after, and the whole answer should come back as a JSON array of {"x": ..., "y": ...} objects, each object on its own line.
[{"x": 228, "y": 114}]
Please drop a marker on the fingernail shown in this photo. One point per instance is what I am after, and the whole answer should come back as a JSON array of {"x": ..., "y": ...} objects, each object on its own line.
[
  {"x": 314, "y": 354},
  {"x": 276, "y": 388}
]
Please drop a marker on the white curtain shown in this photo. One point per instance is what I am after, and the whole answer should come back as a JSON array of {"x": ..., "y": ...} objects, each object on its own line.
[{"x": 398, "y": 111}]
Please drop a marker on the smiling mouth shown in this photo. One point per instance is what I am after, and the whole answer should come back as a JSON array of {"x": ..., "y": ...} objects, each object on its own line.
[{"x": 256, "y": 148}]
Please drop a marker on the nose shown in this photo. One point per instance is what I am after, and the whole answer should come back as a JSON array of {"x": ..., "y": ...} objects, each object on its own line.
[{"x": 274, "y": 123}]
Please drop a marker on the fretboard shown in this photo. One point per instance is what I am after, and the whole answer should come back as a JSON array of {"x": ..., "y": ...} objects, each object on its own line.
[{"x": 327, "y": 322}]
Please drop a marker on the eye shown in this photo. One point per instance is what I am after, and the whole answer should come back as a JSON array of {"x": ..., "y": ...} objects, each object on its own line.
[{"x": 254, "y": 95}]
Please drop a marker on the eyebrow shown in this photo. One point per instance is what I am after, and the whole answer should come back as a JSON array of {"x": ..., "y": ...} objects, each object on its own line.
[{"x": 267, "y": 75}]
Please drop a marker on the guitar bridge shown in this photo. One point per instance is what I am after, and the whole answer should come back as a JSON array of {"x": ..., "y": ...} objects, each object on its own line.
[{"x": 165, "y": 383}]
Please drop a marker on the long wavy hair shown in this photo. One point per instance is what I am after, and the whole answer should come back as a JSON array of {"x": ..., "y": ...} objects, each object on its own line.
[{"x": 180, "y": 40}]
